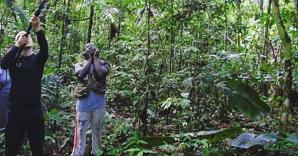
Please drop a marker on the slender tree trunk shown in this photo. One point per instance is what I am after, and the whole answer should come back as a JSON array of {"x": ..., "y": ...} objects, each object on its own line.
[
  {"x": 90, "y": 23},
  {"x": 181, "y": 50},
  {"x": 263, "y": 27},
  {"x": 261, "y": 6},
  {"x": 110, "y": 37},
  {"x": 147, "y": 53},
  {"x": 171, "y": 57},
  {"x": 266, "y": 47},
  {"x": 296, "y": 6},
  {"x": 226, "y": 26},
  {"x": 287, "y": 48},
  {"x": 64, "y": 31},
  {"x": 119, "y": 29},
  {"x": 296, "y": 19},
  {"x": 239, "y": 21},
  {"x": 172, "y": 37}
]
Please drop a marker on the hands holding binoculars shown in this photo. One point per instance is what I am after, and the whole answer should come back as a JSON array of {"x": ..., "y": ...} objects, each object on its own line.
[{"x": 92, "y": 56}]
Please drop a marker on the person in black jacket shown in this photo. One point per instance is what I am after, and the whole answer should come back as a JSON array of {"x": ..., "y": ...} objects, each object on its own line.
[{"x": 25, "y": 112}]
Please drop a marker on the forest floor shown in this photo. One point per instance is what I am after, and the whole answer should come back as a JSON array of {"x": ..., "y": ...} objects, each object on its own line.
[
  {"x": 121, "y": 135},
  {"x": 121, "y": 129}
]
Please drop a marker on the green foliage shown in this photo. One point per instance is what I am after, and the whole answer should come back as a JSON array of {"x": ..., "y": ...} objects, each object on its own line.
[
  {"x": 21, "y": 13},
  {"x": 154, "y": 141},
  {"x": 175, "y": 102},
  {"x": 248, "y": 100},
  {"x": 195, "y": 46},
  {"x": 134, "y": 146},
  {"x": 50, "y": 91},
  {"x": 213, "y": 135},
  {"x": 108, "y": 14},
  {"x": 285, "y": 145}
]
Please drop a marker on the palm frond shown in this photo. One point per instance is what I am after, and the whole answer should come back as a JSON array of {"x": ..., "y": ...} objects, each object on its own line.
[
  {"x": 88, "y": 2},
  {"x": 109, "y": 14},
  {"x": 21, "y": 13}
]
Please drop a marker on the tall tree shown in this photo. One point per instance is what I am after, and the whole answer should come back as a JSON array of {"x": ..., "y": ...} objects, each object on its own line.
[
  {"x": 296, "y": 7},
  {"x": 147, "y": 53},
  {"x": 172, "y": 38},
  {"x": 239, "y": 22},
  {"x": 226, "y": 25},
  {"x": 287, "y": 50},
  {"x": 90, "y": 23},
  {"x": 266, "y": 47},
  {"x": 64, "y": 30}
]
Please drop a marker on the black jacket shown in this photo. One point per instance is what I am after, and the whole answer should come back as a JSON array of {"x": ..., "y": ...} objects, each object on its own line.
[{"x": 26, "y": 80}]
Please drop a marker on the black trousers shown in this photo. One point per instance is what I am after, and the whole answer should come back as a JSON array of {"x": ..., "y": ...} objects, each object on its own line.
[{"x": 23, "y": 122}]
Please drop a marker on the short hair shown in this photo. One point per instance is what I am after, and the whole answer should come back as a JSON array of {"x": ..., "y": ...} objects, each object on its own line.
[
  {"x": 90, "y": 48},
  {"x": 19, "y": 35}
]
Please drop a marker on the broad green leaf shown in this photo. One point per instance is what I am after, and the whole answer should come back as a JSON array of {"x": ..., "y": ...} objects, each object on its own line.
[
  {"x": 132, "y": 150},
  {"x": 213, "y": 135},
  {"x": 141, "y": 153},
  {"x": 158, "y": 140},
  {"x": 246, "y": 99},
  {"x": 148, "y": 151}
]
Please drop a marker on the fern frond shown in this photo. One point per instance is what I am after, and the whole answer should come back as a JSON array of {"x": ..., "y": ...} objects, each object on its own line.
[
  {"x": 108, "y": 14},
  {"x": 88, "y": 2}
]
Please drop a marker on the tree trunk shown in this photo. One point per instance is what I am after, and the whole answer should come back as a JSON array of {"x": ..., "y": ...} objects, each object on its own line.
[
  {"x": 263, "y": 27},
  {"x": 90, "y": 23},
  {"x": 181, "y": 50},
  {"x": 144, "y": 116},
  {"x": 266, "y": 47},
  {"x": 119, "y": 29},
  {"x": 286, "y": 42},
  {"x": 296, "y": 19},
  {"x": 64, "y": 31},
  {"x": 226, "y": 26},
  {"x": 172, "y": 37},
  {"x": 239, "y": 21}
]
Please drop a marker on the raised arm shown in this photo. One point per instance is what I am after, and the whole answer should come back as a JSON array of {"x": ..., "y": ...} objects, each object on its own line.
[
  {"x": 44, "y": 51},
  {"x": 41, "y": 39},
  {"x": 101, "y": 70}
]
